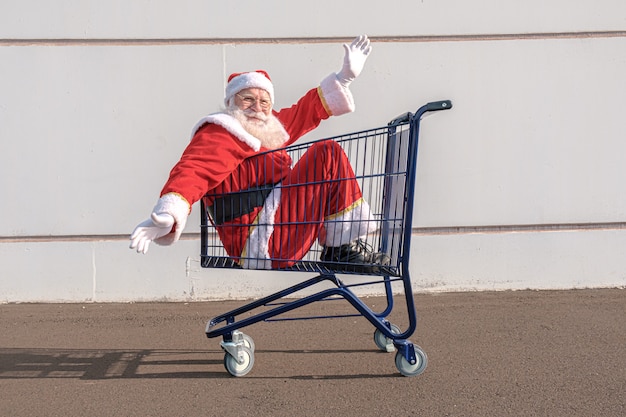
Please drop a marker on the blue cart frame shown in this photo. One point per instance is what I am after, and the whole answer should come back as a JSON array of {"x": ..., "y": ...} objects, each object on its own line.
[{"x": 386, "y": 165}]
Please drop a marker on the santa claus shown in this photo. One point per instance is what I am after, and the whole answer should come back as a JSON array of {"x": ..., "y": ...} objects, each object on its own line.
[{"x": 267, "y": 212}]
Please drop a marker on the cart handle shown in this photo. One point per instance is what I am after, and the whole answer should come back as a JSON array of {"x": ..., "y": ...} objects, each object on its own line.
[
  {"x": 432, "y": 106},
  {"x": 439, "y": 105}
]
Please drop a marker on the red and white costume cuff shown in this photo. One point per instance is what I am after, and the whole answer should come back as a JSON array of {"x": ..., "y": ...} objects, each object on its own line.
[
  {"x": 350, "y": 224},
  {"x": 176, "y": 206},
  {"x": 337, "y": 98}
]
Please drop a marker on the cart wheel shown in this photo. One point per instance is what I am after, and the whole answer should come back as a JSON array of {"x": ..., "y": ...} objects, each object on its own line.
[
  {"x": 248, "y": 342},
  {"x": 239, "y": 369},
  {"x": 383, "y": 342},
  {"x": 406, "y": 368}
]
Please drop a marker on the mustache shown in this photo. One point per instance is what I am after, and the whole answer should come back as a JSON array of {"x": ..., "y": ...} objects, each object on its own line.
[
  {"x": 266, "y": 128},
  {"x": 256, "y": 115}
]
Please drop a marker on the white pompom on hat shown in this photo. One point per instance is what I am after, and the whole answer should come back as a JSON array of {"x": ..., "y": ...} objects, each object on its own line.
[{"x": 242, "y": 80}]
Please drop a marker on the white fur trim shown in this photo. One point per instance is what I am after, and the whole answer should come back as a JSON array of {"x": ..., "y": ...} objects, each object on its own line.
[
  {"x": 176, "y": 206},
  {"x": 231, "y": 124},
  {"x": 350, "y": 225},
  {"x": 248, "y": 80},
  {"x": 257, "y": 246},
  {"x": 338, "y": 98}
]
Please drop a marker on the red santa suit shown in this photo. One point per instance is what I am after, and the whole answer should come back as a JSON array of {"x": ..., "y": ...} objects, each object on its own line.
[{"x": 315, "y": 198}]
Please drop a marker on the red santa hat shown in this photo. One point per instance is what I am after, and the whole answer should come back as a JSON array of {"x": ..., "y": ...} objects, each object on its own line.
[{"x": 242, "y": 80}]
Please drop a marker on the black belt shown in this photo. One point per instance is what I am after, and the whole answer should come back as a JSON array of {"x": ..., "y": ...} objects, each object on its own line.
[{"x": 233, "y": 205}]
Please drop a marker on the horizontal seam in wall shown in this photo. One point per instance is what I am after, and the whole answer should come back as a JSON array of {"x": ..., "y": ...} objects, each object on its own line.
[
  {"x": 419, "y": 231},
  {"x": 530, "y": 228},
  {"x": 303, "y": 40}
]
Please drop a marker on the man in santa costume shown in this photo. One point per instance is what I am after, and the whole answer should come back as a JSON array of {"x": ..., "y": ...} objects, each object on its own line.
[{"x": 267, "y": 213}]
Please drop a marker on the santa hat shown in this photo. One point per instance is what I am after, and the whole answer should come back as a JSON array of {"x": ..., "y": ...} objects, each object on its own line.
[{"x": 242, "y": 80}]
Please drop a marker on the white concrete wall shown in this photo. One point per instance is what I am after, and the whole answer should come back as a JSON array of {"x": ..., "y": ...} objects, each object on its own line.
[{"x": 519, "y": 186}]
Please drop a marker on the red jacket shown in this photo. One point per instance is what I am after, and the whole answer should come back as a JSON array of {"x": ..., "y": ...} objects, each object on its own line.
[{"x": 217, "y": 160}]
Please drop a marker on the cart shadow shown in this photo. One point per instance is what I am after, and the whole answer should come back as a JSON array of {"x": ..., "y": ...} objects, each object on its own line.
[
  {"x": 86, "y": 364},
  {"x": 94, "y": 364}
]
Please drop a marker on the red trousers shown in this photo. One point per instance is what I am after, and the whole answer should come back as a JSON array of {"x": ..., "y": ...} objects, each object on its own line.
[{"x": 320, "y": 187}]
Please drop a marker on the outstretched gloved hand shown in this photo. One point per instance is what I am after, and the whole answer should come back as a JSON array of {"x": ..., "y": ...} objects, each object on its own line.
[
  {"x": 354, "y": 59},
  {"x": 158, "y": 225}
]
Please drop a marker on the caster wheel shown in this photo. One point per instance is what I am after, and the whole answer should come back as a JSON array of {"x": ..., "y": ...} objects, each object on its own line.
[
  {"x": 383, "y": 342},
  {"x": 239, "y": 369},
  {"x": 248, "y": 342},
  {"x": 408, "y": 369}
]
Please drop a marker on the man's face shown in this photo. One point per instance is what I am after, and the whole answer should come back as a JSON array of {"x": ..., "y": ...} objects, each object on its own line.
[{"x": 254, "y": 99}]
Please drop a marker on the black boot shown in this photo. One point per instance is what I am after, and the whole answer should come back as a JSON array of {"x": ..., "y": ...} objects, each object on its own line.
[{"x": 356, "y": 256}]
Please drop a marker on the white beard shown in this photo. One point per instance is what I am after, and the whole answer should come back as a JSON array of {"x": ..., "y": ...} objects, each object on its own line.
[{"x": 267, "y": 129}]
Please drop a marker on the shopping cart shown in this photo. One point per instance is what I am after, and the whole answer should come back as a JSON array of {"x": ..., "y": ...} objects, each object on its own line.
[{"x": 384, "y": 162}]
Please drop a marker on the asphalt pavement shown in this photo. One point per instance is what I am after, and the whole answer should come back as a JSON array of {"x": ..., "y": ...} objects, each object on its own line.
[{"x": 513, "y": 353}]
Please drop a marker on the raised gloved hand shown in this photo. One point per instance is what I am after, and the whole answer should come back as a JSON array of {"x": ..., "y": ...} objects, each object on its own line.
[
  {"x": 158, "y": 225},
  {"x": 354, "y": 59}
]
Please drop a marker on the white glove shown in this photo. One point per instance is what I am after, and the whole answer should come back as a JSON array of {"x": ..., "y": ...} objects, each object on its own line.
[
  {"x": 158, "y": 225},
  {"x": 354, "y": 59}
]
